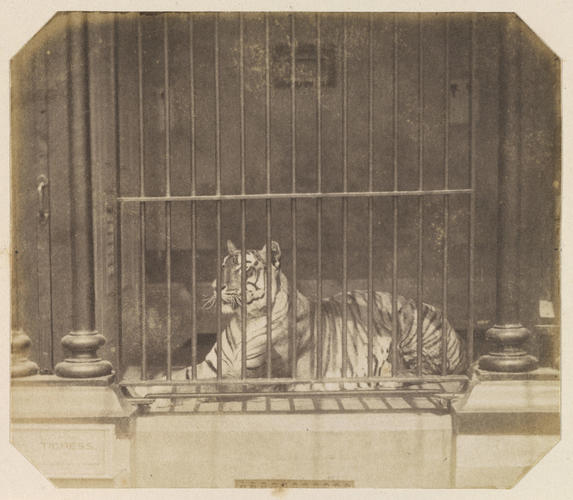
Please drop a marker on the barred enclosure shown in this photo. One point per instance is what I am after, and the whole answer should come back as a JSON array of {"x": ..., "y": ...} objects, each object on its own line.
[
  {"x": 344, "y": 215},
  {"x": 406, "y": 162}
]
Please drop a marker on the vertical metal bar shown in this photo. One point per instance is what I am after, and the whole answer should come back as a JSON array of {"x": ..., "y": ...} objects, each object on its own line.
[
  {"x": 119, "y": 280},
  {"x": 218, "y": 190},
  {"x": 243, "y": 202},
  {"x": 371, "y": 297},
  {"x": 193, "y": 206},
  {"x": 193, "y": 290},
  {"x": 420, "y": 284},
  {"x": 143, "y": 310},
  {"x": 217, "y": 106},
  {"x": 395, "y": 204},
  {"x": 268, "y": 201},
  {"x": 319, "y": 368},
  {"x": 169, "y": 286},
  {"x": 219, "y": 283},
  {"x": 167, "y": 109},
  {"x": 470, "y": 333},
  {"x": 344, "y": 200},
  {"x": 119, "y": 215},
  {"x": 293, "y": 200},
  {"x": 168, "y": 192},
  {"x": 446, "y": 198}
]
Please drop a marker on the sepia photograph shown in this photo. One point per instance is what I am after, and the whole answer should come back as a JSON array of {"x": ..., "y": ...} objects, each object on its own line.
[{"x": 285, "y": 249}]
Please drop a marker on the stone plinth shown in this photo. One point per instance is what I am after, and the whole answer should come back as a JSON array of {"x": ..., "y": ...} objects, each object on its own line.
[
  {"x": 75, "y": 434},
  {"x": 503, "y": 428}
]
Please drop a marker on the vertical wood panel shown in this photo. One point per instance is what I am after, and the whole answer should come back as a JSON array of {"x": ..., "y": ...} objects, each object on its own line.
[
  {"x": 104, "y": 157},
  {"x": 129, "y": 181},
  {"x": 59, "y": 165},
  {"x": 487, "y": 141},
  {"x": 24, "y": 202},
  {"x": 540, "y": 133},
  {"x": 42, "y": 223}
]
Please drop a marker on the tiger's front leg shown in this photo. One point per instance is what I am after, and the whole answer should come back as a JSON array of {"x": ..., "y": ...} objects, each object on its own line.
[{"x": 386, "y": 370}]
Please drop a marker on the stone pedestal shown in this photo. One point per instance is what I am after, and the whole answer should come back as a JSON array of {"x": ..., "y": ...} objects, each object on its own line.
[
  {"x": 76, "y": 434},
  {"x": 371, "y": 450},
  {"x": 504, "y": 427}
]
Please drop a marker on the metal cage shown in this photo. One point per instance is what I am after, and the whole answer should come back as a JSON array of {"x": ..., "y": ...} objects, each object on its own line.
[{"x": 418, "y": 383}]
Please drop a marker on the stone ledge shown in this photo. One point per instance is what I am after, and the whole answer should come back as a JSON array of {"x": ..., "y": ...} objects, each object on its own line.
[
  {"x": 538, "y": 374},
  {"x": 53, "y": 380},
  {"x": 531, "y": 423},
  {"x": 511, "y": 396},
  {"x": 340, "y": 422},
  {"x": 50, "y": 401}
]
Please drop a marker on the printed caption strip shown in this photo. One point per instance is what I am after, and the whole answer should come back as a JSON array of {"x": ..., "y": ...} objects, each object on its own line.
[{"x": 292, "y": 483}]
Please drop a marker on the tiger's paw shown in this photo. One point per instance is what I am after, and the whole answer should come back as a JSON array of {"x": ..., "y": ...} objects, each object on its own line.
[{"x": 386, "y": 372}]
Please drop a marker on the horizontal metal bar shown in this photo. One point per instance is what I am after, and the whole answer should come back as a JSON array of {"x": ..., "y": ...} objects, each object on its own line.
[
  {"x": 291, "y": 196},
  {"x": 292, "y": 395},
  {"x": 274, "y": 381}
]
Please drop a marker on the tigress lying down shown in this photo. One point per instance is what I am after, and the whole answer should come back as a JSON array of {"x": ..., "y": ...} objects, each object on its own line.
[{"x": 357, "y": 336}]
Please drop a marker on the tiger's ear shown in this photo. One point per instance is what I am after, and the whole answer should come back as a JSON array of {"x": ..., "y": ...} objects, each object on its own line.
[
  {"x": 231, "y": 248},
  {"x": 275, "y": 253}
]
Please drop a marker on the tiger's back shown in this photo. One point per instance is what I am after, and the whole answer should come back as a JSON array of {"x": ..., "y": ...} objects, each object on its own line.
[{"x": 331, "y": 339}]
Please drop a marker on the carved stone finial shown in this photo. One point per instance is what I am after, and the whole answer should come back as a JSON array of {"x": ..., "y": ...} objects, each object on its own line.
[
  {"x": 21, "y": 366},
  {"x": 508, "y": 356},
  {"x": 83, "y": 361}
]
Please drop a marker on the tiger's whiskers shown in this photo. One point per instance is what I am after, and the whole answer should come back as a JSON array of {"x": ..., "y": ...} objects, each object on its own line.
[
  {"x": 236, "y": 301},
  {"x": 209, "y": 301}
]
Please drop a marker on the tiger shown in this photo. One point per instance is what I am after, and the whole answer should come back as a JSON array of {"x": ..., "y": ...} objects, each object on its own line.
[{"x": 283, "y": 299}]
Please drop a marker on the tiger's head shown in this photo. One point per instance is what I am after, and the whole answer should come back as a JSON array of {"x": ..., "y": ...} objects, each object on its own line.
[{"x": 255, "y": 280}]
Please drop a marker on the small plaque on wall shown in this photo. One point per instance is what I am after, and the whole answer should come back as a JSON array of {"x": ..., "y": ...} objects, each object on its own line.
[{"x": 67, "y": 451}]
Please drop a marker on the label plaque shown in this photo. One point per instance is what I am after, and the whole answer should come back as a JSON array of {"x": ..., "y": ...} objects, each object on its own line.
[
  {"x": 293, "y": 483},
  {"x": 67, "y": 451}
]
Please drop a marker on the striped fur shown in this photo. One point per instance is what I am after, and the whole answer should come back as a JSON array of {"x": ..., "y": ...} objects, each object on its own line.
[{"x": 306, "y": 328}]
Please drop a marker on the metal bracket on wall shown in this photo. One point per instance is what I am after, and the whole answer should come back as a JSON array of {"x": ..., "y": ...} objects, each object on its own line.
[{"x": 43, "y": 211}]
